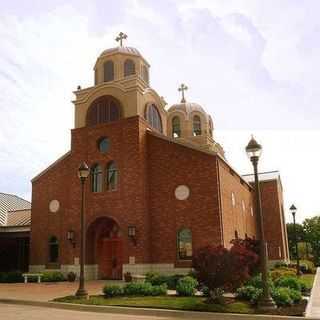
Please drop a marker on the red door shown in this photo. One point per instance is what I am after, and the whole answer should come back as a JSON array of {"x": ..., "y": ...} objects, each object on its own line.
[{"x": 111, "y": 259}]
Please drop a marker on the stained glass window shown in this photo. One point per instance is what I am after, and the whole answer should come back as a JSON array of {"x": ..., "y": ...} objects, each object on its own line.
[
  {"x": 176, "y": 131},
  {"x": 112, "y": 176},
  {"x": 96, "y": 178},
  {"x": 153, "y": 117},
  {"x": 129, "y": 68},
  {"x": 185, "y": 244},
  {"x": 108, "y": 71},
  {"x": 53, "y": 249}
]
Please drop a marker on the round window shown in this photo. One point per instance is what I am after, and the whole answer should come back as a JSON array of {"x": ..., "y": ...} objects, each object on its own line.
[{"x": 103, "y": 145}]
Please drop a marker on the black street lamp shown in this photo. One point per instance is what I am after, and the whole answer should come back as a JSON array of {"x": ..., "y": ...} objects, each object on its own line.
[
  {"x": 293, "y": 210},
  {"x": 266, "y": 302},
  {"x": 83, "y": 173}
]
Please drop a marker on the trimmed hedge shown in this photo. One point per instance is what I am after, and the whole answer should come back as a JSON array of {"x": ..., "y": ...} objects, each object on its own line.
[
  {"x": 157, "y": 279},
  {"x": 11, "y": 277},
  {"x": 54, "y": 276},
  {"x": 144, "y": 289},
  {"x": 186, "y": 286},
  {"x": 282, "y": 272},
  {"x": 112, "y": 291}
]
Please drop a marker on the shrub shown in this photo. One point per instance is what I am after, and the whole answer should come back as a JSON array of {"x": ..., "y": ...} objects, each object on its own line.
[
  {"x": 11, "y": 277},
  {"x": 280, "y": 264},
  {"x": 186, "y": 286},
  {"x": 112, "y": 291},
  {"x": 144, "y": 289},
  {"x": 150, "y": 276},
  {"x": 282, "y": 272},
  {"x": 249, "y": 293},
  {"x": 282, "y": 296},
  {"x": 54, "y": 276},
  {"x": 156, "y": 279},
  {"x": 127, "y": 277},
  {"x": 205, "y": 291},
  {"x": 257, "y": 282},
  {"x": 71, "y": 276},
  {"x": 288, "y": 282},
  {"x": 221, "y": 269}
]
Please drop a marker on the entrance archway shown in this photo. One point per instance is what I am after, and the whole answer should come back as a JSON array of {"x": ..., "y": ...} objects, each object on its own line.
[{"x": 104, "y": 248}]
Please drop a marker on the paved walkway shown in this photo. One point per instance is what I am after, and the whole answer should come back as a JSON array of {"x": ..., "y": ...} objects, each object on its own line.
[
  {"x": 313, "y": 308},
  {"x": 19, "y": 312},
  {"x": 47, "y": 291}
]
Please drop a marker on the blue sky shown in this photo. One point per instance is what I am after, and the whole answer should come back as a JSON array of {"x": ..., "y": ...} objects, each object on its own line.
[{"x": 253, "y": 65}]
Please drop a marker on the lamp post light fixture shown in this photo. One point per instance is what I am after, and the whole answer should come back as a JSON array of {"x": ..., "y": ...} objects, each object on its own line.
[
  {"x": 293, "y": 210},
  {"x": 254, "y": 150},
  {"x": 83, "y": 173}
]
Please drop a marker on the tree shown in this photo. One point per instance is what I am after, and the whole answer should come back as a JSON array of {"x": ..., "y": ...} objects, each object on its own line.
[
  {"x": 312, "y": 235},
  {"x": 221, "y": 269},
  {"x": 301, "y": 236}
]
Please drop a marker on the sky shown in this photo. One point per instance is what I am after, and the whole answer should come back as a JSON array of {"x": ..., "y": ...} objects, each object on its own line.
[{"x": 252, "y": 64}]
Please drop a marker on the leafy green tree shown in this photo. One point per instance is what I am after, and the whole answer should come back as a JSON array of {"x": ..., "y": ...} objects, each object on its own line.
[
  {"x": 301, "y": 237},
  {"x": 312, "y": 235}
]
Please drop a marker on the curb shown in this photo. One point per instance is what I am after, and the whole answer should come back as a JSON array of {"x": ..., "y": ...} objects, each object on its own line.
[{"x": 146, "y": 311}]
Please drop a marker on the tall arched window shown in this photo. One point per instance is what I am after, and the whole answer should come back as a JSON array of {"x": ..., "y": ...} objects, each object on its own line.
[
  {"x": 176, "y": 130},
  {"x": 96, "y": 178},
  {"x": 103, "y": 110},
  {"x": 108, "y": 71},
  {"x": 53, "y": 249},
  {"x": 112, "y": 176},
  {"x": 129, "y": 68},
  {"x": 196, "y": 126},
  {"x": 153, "y": 117},
  {"x": 145, "y": 74},
  {"x": 184, "y": 244}
]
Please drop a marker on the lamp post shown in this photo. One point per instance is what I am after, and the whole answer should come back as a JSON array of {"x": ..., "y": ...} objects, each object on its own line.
[
  {"x": 266, "y": 302},
  {"x": 83, "y": 173},
  {"x": 293, "y": 210}
]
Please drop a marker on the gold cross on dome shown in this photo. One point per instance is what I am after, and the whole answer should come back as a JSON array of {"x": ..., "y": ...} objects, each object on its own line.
[
  {"x": 120, "y": 37},
  {"x": 183, "y": 88}
]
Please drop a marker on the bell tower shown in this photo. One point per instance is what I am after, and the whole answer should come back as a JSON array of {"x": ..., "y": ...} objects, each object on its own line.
[{"x": 122, "y": 74}]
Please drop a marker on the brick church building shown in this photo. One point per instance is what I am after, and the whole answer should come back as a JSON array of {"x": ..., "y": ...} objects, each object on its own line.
[{"x": 159, "y": 185}]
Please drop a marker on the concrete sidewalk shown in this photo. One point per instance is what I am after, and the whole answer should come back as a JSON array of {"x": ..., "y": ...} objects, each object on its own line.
[
  {"x": 313, "y": 307},
  {"x": 49, "y": 290}
]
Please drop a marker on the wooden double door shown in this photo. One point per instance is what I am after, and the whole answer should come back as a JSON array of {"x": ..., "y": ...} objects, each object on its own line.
[{"x": 110, "y": 260}]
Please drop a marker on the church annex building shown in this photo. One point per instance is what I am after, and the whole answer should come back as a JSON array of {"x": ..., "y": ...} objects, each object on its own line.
[{"x": 159, "y": 186}]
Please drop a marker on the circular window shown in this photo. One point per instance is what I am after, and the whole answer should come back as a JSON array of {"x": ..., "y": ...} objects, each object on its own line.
[
  {"x": 103, "y": 145},
  {"x": 182, "y": 192}
]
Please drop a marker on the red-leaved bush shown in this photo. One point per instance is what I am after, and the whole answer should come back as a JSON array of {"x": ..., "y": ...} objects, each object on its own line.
[{"x": 221, "y": 269}]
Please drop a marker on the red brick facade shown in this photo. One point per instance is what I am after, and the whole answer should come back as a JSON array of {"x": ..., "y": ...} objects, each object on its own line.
[{"x": 150, "y": 167}]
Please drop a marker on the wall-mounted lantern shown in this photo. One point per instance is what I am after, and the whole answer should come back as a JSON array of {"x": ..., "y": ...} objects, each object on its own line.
[
  {"x": 71, "y": 237},
  {"x": 132, "y": 234}
]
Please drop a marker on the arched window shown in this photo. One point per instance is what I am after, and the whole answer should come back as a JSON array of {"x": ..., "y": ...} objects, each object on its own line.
[
  {"x": 145, "y": 74},
  {"x": 185, "y": 244},
  {"x": 103, "y": 110},
  {"x": 210, "y": 127},
  {"x": 96, "y": 178},
  {"x": 196, "y": 126},
  {"x": 176, "y": 130},
  {"x": 129, "y": 68},
  {"x": 112, "y": 176},
  {"x": 53, "y": 249},
  {"x": 108, "y": 71},
  {"x": 153, "y": 117}
]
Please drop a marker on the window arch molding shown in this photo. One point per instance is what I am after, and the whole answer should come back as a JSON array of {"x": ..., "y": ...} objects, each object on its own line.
[
  {"x": 104, "y": 109},
  {"x": 53, "y": 254},
  {"x": 153, "y": 116},
  {"x": 184, "y": 244}
]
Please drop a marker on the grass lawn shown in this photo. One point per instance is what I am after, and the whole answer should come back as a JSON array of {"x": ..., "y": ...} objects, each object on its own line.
[
  {"x": 163, "y": 302},
  {"x": 307, "y": 279}
]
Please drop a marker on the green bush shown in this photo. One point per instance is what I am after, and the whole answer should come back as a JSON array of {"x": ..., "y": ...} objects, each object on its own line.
[
  {"x": 112, "y": 291},
  {"x": 295, "y": 295},
  {"x": 54, "y": 276},
  {"x": 249, "y": 293},
  {"x": 157, "y": 279},
  {"x": 288, "y": 282},
  {"x": 282, "y": 296},
  {"x": 205, "y": 291},
  {"x": 257, "y": 282},
  {"x": 282, "y": 272},
  {"x": 186, "y": 286},
  {"x": 11, "y": 277},
  {"x": 144, "y": 289}
]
